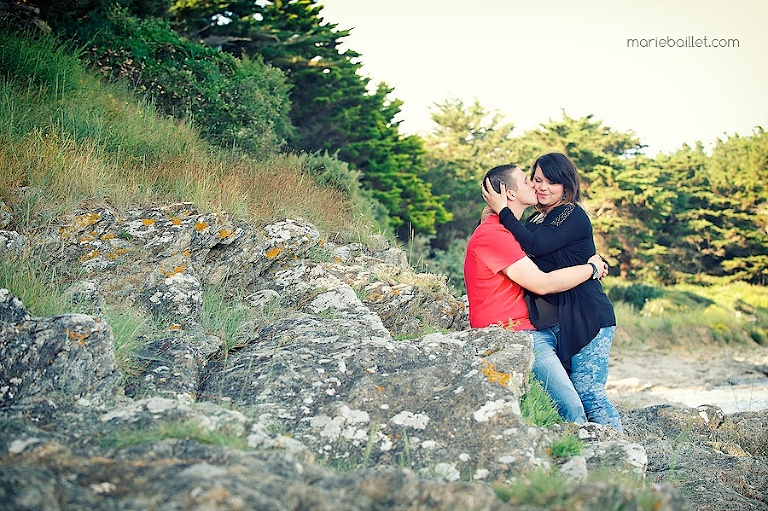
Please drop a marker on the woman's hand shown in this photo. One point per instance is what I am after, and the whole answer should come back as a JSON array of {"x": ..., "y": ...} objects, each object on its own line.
[
  {"x": 485, "y": 214},
  {"x": 602, "y": 266},
  {"x": 496, "y": 201}
]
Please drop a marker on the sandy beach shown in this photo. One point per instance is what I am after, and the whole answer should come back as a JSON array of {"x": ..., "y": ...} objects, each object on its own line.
[{"x": 734, "y": 378}]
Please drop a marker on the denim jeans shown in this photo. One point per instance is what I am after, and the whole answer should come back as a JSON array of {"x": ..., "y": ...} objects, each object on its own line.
[
  {"x": 548, "y": 369},
  {"x": 589, "y": 374},
  {"x": 580, "y": 395}
]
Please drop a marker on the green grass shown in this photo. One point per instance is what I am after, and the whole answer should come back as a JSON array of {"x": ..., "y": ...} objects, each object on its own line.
[
  {"x": 537, "y": 407},
  {"x": 224, "y": 315},
  {"x": 129, "y": 330},
  {"x": 548, "y": 490},
  {"x": 566, "y": 446},
  {"x": 689, "y": 315},
  {"x": 541, "y": 489},
  {"x": 174, "y": 429},
  {"x": 26, "y": 278},
  {"x": 72, "y": 140}
]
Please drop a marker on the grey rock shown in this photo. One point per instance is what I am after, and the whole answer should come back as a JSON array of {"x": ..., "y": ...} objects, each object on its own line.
[
  {"x": 12, "y": 310},
  {"x": 360, "y": 400},
  {"x": 11, "y": 242},
  {"x": 64, "y": 357},
  {"x": 355, "y": 383}
]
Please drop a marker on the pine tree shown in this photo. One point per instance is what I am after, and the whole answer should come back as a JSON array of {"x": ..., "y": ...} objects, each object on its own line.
[
  {"x": 468, "y": 140},
  {"x": 333, "y": 109}
]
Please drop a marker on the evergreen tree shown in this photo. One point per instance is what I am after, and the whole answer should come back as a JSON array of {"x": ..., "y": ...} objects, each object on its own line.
[
  {"x": 333, "y": 109},
  {"x": 721, "y": 220},
  {"x": 467, "y": 141},
  {"x": 684, "y": 229},
  {"x": 738, "y": 173},
  {"x": 617, "y": 188}
]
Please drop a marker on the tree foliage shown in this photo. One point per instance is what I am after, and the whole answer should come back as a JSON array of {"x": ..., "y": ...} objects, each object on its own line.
[
  {"x": 332, "y": 107},
  {"x": 718, "y": 211},
  {"x": 664, "y": 219},
  {"x": 284, "y": 76},
  {"x": 236, "y": 102},
  {"x": 468, "y": 140}
]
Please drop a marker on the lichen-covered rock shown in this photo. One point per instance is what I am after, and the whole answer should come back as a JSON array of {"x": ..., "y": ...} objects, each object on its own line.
[
  {"x": 173, "y": 365},
  {"x": 183, "y": 475},
  {"x": 67, "y": 357},
  {"x": 176, "y": 296},
  {"x": 12, "y": 309},
  {"x": 409, "y": 304},
  {"x": 358, "y": 399},
  {"x": 717, "y": 461},
  {"x": 667, "y": 421},
  {"x": 350, "y": 360},
  {"x": 11, "y": 242}
]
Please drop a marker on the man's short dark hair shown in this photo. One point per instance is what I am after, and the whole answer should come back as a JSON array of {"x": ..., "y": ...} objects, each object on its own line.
[{"x": 502, "y": 173}]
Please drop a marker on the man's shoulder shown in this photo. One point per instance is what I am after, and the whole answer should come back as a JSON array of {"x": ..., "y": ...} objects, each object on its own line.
[
  {"x": 492, "y": 232},
  {"x": 489, "y": 224},
  {"x": 488, "y": 227}
]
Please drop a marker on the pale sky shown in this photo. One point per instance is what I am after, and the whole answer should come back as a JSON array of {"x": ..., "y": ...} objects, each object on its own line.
[{"x": 531, "y": 60}]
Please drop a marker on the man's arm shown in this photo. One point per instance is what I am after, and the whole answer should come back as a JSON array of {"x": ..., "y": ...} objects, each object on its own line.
[{"x": 528, "y": 275}]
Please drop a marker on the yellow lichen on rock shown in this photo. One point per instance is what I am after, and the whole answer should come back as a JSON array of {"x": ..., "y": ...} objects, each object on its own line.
[{"x": 495, "y": 376}]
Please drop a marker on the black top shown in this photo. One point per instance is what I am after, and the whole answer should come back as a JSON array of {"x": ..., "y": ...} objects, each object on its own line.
[{"x": 563, "y": 238}]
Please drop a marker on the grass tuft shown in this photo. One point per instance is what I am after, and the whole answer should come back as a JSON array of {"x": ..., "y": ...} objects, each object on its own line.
[
  {"x": 175, "y": 429},
  {"x": 537, "y": 407},
  {"x": 27, "y": 279},
  {"x": 541, "y": 488},
  {"x": 566, "y": 446},
  {"x": 129, "y": 330}
]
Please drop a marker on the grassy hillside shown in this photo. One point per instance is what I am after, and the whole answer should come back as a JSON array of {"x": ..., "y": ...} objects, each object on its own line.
[{"x": 69, "y": 140}]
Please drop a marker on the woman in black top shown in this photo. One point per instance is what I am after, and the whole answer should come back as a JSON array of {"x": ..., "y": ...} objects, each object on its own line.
[{"x": 574, "y": 327}]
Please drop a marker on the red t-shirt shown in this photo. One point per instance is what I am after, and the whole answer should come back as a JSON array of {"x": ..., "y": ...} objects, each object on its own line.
[{"x": 494, "y": 298}]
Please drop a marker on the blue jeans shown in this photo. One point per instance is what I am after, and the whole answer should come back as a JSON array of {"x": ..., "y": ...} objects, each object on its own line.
[
  {"x": 580, "y": 395},
  {"x": 548, "y": 369}
]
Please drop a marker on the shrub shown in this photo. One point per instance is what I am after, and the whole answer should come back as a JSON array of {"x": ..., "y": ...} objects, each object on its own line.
[
  {"x": 236, "y": 102},
  {"x": 450, "y": 262},
  {"x": 329, "y": 171},
  {"x": 634, "y": 294}
]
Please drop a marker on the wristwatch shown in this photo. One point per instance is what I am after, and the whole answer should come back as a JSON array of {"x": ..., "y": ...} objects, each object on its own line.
[{"x": 595, "y": 271}]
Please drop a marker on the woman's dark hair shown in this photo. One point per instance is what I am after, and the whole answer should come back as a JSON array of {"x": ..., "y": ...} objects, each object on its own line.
[{"x": 559, "y": 169}]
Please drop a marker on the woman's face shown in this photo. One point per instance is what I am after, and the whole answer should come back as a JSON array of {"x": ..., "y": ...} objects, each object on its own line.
[{"x": 547, "y": 193}]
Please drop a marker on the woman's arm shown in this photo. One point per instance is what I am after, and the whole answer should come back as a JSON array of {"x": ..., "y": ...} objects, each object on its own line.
[
  {"x": 547, "y": 238},
  {"x": 528, "y": 275}
]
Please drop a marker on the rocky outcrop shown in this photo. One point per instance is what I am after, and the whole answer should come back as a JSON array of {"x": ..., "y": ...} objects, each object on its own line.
[{"x": 278, "y": 370}]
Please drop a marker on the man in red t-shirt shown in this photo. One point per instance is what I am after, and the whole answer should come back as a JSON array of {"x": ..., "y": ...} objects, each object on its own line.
[{"x": 496, "y": 269}]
